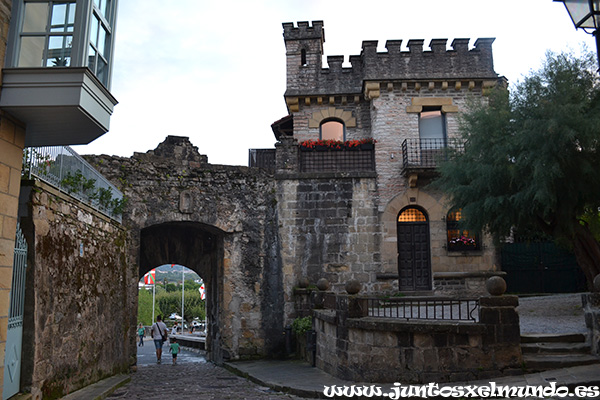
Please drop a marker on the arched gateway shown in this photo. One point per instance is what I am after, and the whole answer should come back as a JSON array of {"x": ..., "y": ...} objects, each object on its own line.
[{"x": 212, "y": 219}]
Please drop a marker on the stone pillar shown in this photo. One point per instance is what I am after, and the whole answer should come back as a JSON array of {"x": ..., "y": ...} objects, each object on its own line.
[
  {"x": 591, "y": 309},
  {"x": 502, "y": 340},
  {"x": 286, "y": 155},
  {"x": 12, "y": 141}
]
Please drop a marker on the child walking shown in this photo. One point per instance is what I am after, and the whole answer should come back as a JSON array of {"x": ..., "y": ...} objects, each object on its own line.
[{"x": 174, "y": 349}]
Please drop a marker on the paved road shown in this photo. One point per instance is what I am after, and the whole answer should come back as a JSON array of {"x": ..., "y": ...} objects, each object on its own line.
[
  {"x": 192, "y": 378},
  {"x": 146, "y": 355},
  {"x": 195, "y": 378},
  {"x": 559, "y": 313}
]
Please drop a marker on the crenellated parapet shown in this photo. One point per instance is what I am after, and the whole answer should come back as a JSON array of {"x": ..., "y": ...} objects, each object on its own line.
[
  {"x": 457, "y": 67},
  {"x": 303, "y": 31}
]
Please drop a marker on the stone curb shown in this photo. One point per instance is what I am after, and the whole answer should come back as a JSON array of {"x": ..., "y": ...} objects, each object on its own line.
[
  {"x": 588, "y": 375},
  {"x": 99, "y": 390},
  {"x": 313, "y": 394}
]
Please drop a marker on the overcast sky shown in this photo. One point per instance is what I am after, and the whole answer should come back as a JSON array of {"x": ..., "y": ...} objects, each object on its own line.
[{"x": 214, "y": 71}]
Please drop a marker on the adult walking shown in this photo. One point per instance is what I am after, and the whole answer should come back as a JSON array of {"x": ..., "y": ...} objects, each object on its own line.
[{"x": 159, "y": 334}]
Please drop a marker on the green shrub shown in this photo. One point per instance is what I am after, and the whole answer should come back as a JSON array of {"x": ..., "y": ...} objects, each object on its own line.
[{"x": 302, "y": 325}]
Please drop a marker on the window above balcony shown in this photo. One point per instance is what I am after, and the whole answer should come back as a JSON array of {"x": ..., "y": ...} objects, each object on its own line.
[{"x": 57, "y": 72}]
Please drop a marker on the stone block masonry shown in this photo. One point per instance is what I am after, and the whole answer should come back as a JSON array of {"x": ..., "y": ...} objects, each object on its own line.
[
  {"x": 358, "y": 348},
  {"x": 329, "y": 229},
  {"x": 221, "y": 222},
  {"x": 80, "y": 313}
]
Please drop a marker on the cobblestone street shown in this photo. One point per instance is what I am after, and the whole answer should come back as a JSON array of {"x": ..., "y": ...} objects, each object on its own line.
[
  {"x": 192, "y": 381},
  {"x": 192, "y": 378}
]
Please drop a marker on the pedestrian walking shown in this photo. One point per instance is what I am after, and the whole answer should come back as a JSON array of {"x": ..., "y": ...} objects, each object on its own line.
[
  {"x": 174, "y": 349},
  {"x": 159, "y": 335},
  {"x": 141, "y": 334}
]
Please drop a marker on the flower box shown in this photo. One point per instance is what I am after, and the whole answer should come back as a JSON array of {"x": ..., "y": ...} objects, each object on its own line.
[{"x": 337, "y": 145}]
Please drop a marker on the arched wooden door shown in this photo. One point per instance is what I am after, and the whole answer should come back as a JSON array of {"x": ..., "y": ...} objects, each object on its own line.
[{"x": 414, "y": 260}]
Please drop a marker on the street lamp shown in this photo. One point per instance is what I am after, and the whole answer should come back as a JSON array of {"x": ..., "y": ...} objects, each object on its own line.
[{"x": 585, "y": 14}]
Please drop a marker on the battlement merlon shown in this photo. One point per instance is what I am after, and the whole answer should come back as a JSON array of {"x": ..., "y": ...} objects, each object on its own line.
[
  {"x": 303, "y": 31},
  {"x": 306, "y": 75}
]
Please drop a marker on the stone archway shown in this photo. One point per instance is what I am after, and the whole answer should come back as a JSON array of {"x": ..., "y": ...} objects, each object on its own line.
[
  {"x": 216, "y": 220},
  {"x": 197, "y": 246}
]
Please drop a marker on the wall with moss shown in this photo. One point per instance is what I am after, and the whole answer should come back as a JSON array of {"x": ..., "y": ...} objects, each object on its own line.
[{"x": 80, "y": 309}]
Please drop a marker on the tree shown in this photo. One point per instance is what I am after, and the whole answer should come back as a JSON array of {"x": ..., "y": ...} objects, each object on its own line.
[
  {"x": 170, "y": 302},
  {"x": 145, "y": 307},
  {"x": 531, "y": 159}
]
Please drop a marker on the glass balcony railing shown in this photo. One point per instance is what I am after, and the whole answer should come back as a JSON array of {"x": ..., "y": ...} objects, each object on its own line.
[{"x": 62, "y": 167}]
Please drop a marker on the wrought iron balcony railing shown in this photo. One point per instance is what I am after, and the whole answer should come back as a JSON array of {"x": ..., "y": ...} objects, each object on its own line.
[
  {"x": 333, "y": 160},
  {"x": 427, "y": 153},
  {"x": 430, "y": 309},
  {"x": 262, "y": 158}
]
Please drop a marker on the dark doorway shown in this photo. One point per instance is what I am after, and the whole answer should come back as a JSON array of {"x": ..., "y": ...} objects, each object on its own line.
[{"x": 414, "y": 260}]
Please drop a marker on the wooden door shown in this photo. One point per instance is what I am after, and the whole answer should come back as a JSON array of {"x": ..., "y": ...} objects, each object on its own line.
[{"x": 414, "y": 260}]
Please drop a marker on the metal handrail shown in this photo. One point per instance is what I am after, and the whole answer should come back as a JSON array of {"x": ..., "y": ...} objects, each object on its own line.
[
  {"x": 63, "y": 168},
  {"x": 428, "y": 153},
  {"x": 428, "y": 309}
]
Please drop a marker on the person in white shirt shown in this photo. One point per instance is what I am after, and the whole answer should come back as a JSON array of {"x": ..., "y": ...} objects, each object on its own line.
[
  {"x": 159, "y": 334},
  {"x": 174, "y": 330}
]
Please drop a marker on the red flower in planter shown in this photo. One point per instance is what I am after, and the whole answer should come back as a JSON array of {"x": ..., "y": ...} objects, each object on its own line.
[{"x": 336, "y": 144}]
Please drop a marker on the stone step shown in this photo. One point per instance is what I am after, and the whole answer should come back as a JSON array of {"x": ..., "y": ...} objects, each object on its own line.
[
  {"x": 554, "y": 337},
  {"x": 537, "y": 362},
  {"x": 555, "y": 347}
]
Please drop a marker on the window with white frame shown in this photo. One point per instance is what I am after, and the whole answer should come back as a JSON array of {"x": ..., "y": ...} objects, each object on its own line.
[
  {"x": 46, "y": 38},
  {"x": 65, "y": 33},
  {"x": 100, "y": 40}
]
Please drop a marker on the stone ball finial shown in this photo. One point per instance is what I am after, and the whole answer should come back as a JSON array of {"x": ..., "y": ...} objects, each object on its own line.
[
  {"x": 353, "y": 286},
  {"x": 303, "y": 283},
  {"x": 323, "y": 284},
  {"x": 495, "y": 285},
  {"x": 596, "y": 285}
]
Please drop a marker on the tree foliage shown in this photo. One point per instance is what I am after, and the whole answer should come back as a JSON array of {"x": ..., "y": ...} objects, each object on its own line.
[
  {"x": 170, "y": 302},
  {"x": 531, "y": 158},
  {"x": 145, "y": 307}
]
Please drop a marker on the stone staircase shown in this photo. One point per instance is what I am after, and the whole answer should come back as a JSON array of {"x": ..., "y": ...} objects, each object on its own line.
[{"x": 543, "y": 352}]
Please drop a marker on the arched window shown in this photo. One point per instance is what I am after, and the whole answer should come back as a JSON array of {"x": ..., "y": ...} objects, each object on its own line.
[
  {"x": 412, "y": 215},
  {"x": 332, "y": 129},
  {"x": 459, "y": 239},
  {"x": 303, "y": 57}
]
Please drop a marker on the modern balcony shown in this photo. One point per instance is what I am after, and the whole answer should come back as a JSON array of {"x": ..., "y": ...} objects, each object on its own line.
[{"x": 58, "y": 106}]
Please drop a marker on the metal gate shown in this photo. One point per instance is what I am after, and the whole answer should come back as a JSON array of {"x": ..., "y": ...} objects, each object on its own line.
[
  {"x": 541, "y": 268},
  {"x": 14, "y": 334}
]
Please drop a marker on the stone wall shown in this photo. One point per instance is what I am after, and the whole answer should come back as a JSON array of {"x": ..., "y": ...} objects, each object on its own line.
[
  {"x": 80, "y": 312},
  {"x": 328, "y": 228},
  {"x": 175, "y": 199},
  {"x": 381, "y": 96},
  {"x": 355, "y": 347},
  {"x": 591, "y": 309}
]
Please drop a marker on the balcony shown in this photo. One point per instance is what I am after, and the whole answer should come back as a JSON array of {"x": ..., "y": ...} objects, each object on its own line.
[
  {"x": 58, "y": 106},
  {"x": 424, "y": 155},
  {"x": 262, "y": 158},
  {"x": 63, "y": 168},
  {"x": 344, "y": 160}
]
